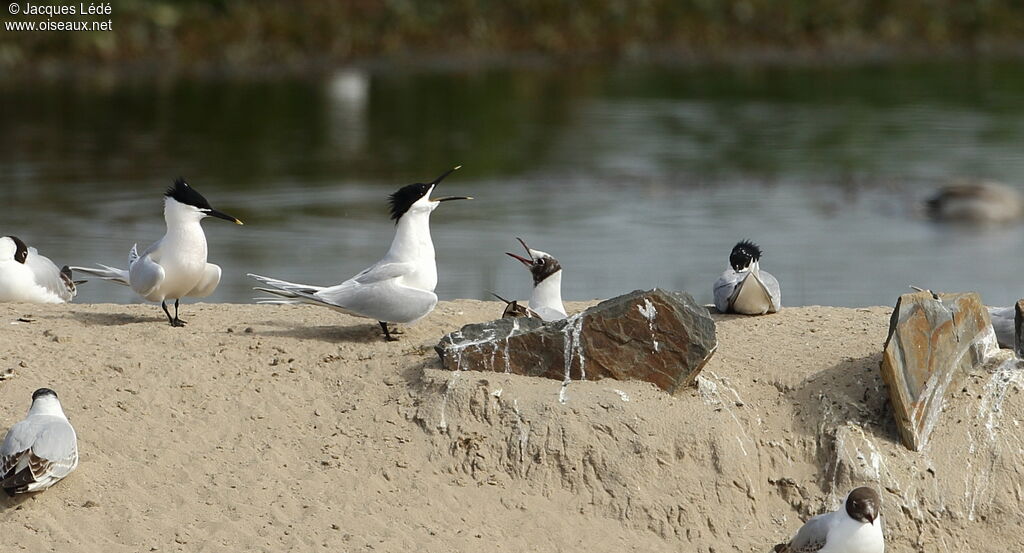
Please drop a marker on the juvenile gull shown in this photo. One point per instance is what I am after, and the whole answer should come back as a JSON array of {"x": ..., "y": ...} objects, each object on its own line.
[
  {"x": 514, "y": 311},
  {"x": 41, "y": 449}
]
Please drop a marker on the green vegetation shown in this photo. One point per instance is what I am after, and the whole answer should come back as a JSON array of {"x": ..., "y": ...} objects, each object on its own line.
[{"x": 251, "y": 34}]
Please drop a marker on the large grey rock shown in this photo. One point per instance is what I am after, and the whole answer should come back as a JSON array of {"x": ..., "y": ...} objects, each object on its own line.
[
  {"x": 932, "y": 345},
  {"x": 1019, "y": 329},
  {"x": 658, "y": 336}
]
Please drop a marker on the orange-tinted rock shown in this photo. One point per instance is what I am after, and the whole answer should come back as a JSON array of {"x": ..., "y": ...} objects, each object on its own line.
[
  {"x": 932, "y": 345},
  {"x": 658, "y": 336}
]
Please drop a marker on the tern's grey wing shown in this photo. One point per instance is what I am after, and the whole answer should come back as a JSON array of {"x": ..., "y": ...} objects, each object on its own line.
[
  {"x": 811, "y": 537},
  {"x": 208, "y": 283},
  {"x": 145, "y": 275},
  {"x": 724, "y": 287},
  {"x": 381, "y": 271},
  {"x": 385, "y": 300},
  {"x": 1003, "y": 323},
  {"x": 47, "y": 275},
  {"x": 153, "y": 251},
  {"x": 771, "y": 284}
]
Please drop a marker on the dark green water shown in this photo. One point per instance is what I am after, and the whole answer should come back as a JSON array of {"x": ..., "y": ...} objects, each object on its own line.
[{"x": 633, "y": 177}]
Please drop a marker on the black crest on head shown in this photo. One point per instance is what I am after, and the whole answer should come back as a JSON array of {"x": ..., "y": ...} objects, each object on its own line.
[
  {"x": 20, "y": 249},
  {"x": 183, "y": 193},
  {"x": 543, "y": 267},
  {"x": 43, "y": 392},
  {"x": 402, "y": 200},
  {"x": 743, "y": 254},
  {"x": 863, "y": 505}
]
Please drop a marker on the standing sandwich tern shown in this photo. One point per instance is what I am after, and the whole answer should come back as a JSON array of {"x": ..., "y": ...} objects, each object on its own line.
[
  {"x": 174, "y": 266},
  {"x": 27, "y": 276},
  {"x": 856, "y": 527},
  {"x": 41, "y": 449},
  {"x": 397, "y": 289},
  {"x": 744, "y": 288},
  {"x": 546, "y": 298}
]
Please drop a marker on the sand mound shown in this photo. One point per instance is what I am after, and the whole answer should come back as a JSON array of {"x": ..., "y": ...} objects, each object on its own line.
[{"x": 264, "y": 428}]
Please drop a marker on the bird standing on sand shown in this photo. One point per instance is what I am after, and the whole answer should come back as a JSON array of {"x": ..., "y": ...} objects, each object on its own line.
[
  {"x": 546, "y": 298},
  {"x": 175, "y": 266},
  {"x": 41, "y": 449},
  {"x": 744, "y": 288},
  {"x": 397, "y": 289},
  {"x": 854, "y": 528},
  {"x": 27, "y": 276}
]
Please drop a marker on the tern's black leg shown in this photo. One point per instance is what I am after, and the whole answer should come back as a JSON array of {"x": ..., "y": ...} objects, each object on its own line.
[
  {"x": 177, "y": 320},
  {"x": 387, "y": 333},
  {"x": 169, "y": 318}
]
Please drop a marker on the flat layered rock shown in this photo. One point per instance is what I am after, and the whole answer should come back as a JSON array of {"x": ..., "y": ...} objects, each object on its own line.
[
  {"x": 662, "y": 337},
  {"x": 933, "y": 344}
]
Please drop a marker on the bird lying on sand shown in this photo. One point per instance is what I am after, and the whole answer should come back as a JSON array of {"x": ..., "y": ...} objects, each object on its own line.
[
  {"x": 28, "y": 276},
  {"x": 744, "y": 288},
  {"x": 41, "y": 449},
  {"x": 856, "y": 527}
]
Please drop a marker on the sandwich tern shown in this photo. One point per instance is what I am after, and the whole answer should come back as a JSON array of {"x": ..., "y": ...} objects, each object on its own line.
[
  {"x": 744, "y": 288},
  {"x": 28, "y": 276},
  {"x": 174, "y": 266},
  {"x": 856, "y": 527},
  {"x": 546, "y": 298},
  {"x": 41, "y": 449},
  {"x": 397, "y": 289}
]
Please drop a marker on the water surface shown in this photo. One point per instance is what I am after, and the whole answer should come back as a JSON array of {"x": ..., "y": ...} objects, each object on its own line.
[{"x": 632, "y": 177}]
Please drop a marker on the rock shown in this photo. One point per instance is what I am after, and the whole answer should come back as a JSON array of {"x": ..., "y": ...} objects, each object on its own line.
[
  {"x": 1019, "y": 329},
  {"x": 658, "y": 336},
  {"x": 932, "y": 345}
]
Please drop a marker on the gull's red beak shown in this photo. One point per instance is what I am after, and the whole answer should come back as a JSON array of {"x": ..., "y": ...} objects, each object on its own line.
[{"x": 523, "y": 260}]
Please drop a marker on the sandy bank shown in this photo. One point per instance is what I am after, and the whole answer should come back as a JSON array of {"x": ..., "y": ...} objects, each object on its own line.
[{"x": 267, "y": 428}]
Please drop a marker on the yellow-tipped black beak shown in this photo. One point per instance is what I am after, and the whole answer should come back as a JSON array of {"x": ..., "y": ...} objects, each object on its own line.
[
  {"x": 445, "y": 174},
  {"x": 222, "y": 215}
]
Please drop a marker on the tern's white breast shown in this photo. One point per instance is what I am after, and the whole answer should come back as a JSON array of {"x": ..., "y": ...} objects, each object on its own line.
[{"x": 182, "y": 255}]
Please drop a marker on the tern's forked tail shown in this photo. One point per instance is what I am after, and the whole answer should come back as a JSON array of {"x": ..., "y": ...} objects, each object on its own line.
[
  {"x": 286, "y": 292},
  {"x": 104, "y": 272}
]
